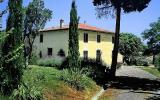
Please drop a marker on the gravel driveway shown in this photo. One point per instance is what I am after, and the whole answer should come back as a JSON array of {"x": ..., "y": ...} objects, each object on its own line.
[{"x": 131, "y": 71}]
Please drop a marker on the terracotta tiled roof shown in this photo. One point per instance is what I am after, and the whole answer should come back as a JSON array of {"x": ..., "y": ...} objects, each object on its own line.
[{"x": 80, "y": 26}]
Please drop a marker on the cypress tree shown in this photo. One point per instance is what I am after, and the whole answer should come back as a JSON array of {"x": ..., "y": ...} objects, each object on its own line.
[
  {"x": 73, "y": 53},
  {"x": 12, "y": 49},
  {"x": 2, "y": 35}
]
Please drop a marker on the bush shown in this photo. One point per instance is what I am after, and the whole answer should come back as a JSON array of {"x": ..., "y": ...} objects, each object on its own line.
[
  {"x": 139, "y": 61},
  {"x": 142, "y": 61},
  {"x": 157, "y": 62},
  {"x": 26, "y": 92},
  {"x": 51, "y": 62},
  {"x": 33, "y": 59},
  {"x": 97, "y": 69},
  {"x": 75, "y": 77},
  {"x": 64, "y": 64},
  {"x": 61, "y": 53}
]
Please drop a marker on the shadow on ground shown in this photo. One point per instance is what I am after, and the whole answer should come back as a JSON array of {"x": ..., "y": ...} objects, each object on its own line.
[
  {"x": 140, "y": 84},
  {"x": 134, "y": 83},
  {"x": 153, "y": 98}
]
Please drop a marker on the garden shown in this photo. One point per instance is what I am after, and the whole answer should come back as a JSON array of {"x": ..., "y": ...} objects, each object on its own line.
[{"x": 23, "y": 76}]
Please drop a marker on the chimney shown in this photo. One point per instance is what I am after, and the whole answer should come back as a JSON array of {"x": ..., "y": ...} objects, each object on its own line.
[{"x": 61, "y": 23}]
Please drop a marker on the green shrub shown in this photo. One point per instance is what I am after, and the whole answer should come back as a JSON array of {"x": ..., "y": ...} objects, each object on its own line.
[
  {"x": 61, "y": 53},
  {"x": 157, "y": 62},
  {"x": 139, "y": 61},
  {"x": 142, "y": 61},
  {"x": 96, "y": 69},
  {"x": 26, "y": 92},
  {"x": 3, "y": 97},
  {"x": 33, "y": 59},
  {"x": 64, "y": 64},
  {"x": 40, "y": 77},
  {"x": 51, "y": 62},
  {"x": 75, "y": 77}
]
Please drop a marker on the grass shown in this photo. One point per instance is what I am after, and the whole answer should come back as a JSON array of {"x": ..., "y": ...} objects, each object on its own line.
[
  {"x": 3, "y": 97},
  {"x": 152, "y": 70},
  {"x": 53, "y": 88}
]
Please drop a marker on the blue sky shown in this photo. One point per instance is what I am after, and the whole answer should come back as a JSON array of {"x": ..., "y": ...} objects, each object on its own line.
[{"x": 133, "y": 22}]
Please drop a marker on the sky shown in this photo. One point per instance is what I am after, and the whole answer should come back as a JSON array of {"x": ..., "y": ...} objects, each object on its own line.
[{"x": 134, "y": 22}]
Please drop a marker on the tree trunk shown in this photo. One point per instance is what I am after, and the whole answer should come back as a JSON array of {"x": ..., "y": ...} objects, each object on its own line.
[{"x": 116, "y": 42}]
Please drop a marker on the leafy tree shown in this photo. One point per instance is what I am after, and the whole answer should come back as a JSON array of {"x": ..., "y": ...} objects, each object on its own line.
[
  {"x": 73, "y": 53},
  {"x": 12, "y": 49},
  {"x": 2, "y": 12},
  {"x": 35, "y": 19},
  {"x": 130, "y": 45},
  {"x": 115, "y": 7},
  {"x": 2, "y": 34},
  {"x": 157, "y": 62},
  {"x": 152, "y": 36}
]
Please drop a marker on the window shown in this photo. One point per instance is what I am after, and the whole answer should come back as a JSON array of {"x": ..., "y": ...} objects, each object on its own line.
[
  {"x": 40, "y": 54},
  {"x": 113, "y": 38},
  {"x": 85, "y": 55},
  {"x": 49, "y": 51},
  {"x": 98, "y": 38},
  {"x": 98, "y": 55},
  {"x": 85, "y": 37},
  {"x": 41, "y": 38}
]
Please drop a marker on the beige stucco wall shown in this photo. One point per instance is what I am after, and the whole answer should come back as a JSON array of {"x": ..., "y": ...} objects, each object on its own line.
[
  {"x": 56, "y": 40},
  {"x": 59, "y": 40}
]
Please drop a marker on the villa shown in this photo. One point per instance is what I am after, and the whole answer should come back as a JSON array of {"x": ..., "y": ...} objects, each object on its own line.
[{"x": 93, "y": 42}]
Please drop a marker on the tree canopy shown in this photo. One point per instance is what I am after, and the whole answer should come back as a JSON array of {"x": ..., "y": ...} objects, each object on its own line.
[
  {"x": 105, "y": 7},
  {"x": 152, "y": 36},
  {"x": 36, "y": 16},
  {"x": 130, "y": 45}
]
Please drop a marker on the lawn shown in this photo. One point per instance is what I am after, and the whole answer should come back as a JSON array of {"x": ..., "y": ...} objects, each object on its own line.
[
  {"x": 152, "y": 70},
  {"x": 53, "y": 88},
  {"x": 3, "y": 97}
]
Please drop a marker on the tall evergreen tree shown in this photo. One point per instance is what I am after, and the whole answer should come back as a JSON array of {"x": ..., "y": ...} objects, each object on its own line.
[
  {"x": 2, "y": 35},
  {"x": 115, "y": 7},
  {"x": 12, "y": 50},
  {"x": 73, "y": 53}
]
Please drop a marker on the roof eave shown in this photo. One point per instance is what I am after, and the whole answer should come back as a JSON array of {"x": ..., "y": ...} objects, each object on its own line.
[{"x": 79, "y": 29}]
